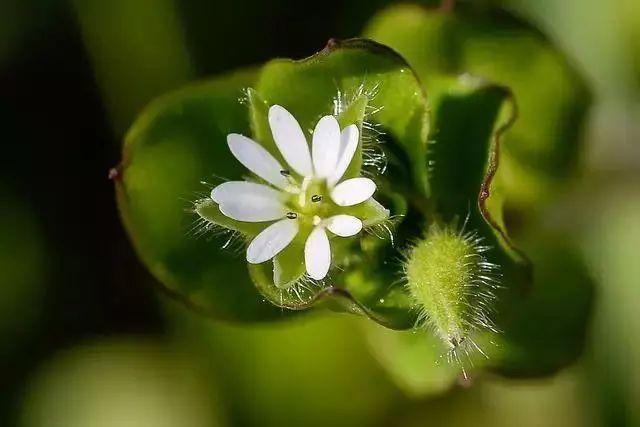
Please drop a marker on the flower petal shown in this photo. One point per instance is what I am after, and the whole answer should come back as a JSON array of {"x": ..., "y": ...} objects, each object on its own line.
[
  {"x": 325, "y": 146},
  {"x": 348, "y": 145},
  {"x": 344, "y": 225},
  {"x": 272, "y": 240},
  {"x": 290, "y": 140},
  {"x": 248, "y": 201},
  {"x": 317, "y": 254},
  {"x": 257, "y": 159},
  {"x": 353, "y": 191}
]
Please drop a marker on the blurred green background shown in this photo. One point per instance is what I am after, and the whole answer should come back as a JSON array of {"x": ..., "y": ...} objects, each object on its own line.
[{"x": 87, "y": 340}]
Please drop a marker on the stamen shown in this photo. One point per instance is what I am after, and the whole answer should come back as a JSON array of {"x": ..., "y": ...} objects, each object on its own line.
[
  {"x": 292, "y": 215},
  {"x": 316, "y": 198}
]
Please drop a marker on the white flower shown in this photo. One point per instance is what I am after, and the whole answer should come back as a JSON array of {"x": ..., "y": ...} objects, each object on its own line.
[{"x": 306, "y": 199}]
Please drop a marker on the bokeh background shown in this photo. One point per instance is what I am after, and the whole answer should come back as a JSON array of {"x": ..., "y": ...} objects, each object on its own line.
[{"x": 87, "y": 340}]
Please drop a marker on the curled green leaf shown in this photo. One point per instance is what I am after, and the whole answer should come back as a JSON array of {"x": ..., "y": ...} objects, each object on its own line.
[{"x": 542, "y": 147}]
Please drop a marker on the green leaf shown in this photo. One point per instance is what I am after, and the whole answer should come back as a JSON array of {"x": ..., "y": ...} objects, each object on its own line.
[
  {"x": 544, "y": 327},
  {"x": 541, "y": 148},
  {"x": 378, "y": 289},
  {"x": 466, "y": 177}
]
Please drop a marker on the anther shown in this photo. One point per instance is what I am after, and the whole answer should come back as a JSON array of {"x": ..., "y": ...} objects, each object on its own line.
[
  {"x": 292, "y": 215},
  {"x": 316, "y": 198}
]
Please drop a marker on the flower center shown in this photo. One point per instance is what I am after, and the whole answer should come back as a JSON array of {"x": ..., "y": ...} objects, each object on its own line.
[{"x": 312, "y": 203}]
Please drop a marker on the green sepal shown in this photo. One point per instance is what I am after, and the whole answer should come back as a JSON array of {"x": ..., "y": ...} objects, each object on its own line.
[{"x": 354, "y": 113}]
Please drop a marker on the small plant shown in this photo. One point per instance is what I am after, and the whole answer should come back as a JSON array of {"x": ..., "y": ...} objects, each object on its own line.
[{"x": 343, "y": 183}]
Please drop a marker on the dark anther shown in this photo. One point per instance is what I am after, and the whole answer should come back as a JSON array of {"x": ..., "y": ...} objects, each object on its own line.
[
  {"x": 285, "y": 172},
  {"x": 316, "y": 198},
  {"x": 292, "y": 215}
]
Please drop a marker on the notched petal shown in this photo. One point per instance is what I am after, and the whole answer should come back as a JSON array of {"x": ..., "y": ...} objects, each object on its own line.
[
  {"x": 344, "y": 225},
  {"x": 290, "y": 140},
  {"x": 317, "y": 254},
  {"x": 257, "y": 159},
  {"x": 248, "y": 201},
  {"x": 325, "y": 146},
  {"x": 353, "y": 191},
  {"x": 271, "y": 241},
  {"x": 348, "y": 146}
]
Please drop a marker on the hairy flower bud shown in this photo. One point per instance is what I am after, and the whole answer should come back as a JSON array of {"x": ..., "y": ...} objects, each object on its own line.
[{"x": 451, "y": 283}]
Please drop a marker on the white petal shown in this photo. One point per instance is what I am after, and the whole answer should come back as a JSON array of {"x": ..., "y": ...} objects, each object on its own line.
[
  {"x": 228, "y": 191},
  {"x": 257, "y": 159},
  {"x": 272, "y": 240},
  {"x": 348, "y": 145},
  {"x": 344, "y": 225},
  {"x": 353, "y": 191},
  {"x": 248, "y": 201},
  {"x": 290, "y": 140},
  {"x": 317, "y": 254},
  {"x": 325, "y": 146}
]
